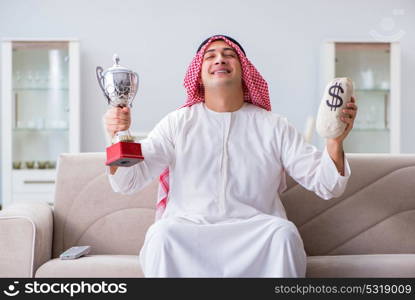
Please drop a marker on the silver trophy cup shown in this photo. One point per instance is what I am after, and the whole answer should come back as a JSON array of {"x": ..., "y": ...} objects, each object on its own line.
[{"x": 119, "y": 86}]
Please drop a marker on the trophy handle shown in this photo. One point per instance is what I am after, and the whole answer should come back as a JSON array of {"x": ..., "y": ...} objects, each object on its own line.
[
  {"x": 136, "y": 89},
  {"x": 100, "y": 79},
  {"x": 137, "y": 78}
]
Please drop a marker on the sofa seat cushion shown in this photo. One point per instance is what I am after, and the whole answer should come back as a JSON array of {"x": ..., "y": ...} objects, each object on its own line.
[
  {"x": 115, "y": 266},
  {"x": 118, "y": 266},
  {"x": 365, "y": 265}
]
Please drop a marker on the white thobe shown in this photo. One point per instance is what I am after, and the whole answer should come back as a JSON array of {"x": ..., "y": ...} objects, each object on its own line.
[{"x": 224, "y": 217}]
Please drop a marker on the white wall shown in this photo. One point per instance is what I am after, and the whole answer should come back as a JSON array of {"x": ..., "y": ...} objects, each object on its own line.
[{"x": 159, "y": 38}]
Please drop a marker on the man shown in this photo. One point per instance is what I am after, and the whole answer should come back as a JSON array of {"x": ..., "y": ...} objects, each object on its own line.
[{"x": 227, "y": 154}]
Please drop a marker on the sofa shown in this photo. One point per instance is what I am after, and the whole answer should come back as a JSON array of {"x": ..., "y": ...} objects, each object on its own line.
[{"x": 367, "y": 232}]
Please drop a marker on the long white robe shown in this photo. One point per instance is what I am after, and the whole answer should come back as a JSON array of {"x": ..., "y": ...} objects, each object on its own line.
[{"x": 224, "y": 217}]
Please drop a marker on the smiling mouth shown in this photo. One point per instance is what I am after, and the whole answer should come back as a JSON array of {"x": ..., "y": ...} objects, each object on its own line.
[{"x": 221, "y": 72}]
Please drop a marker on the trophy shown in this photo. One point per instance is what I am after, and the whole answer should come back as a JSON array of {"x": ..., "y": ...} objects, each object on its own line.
[{"x": 120, "y": 85}]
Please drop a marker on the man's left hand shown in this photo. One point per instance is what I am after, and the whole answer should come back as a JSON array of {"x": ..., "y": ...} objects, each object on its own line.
[{"x": 348, "y": 116}]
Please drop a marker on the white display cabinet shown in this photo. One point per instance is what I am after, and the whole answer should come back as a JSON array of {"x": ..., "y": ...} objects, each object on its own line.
[
  {"x": 374, "y": 68},
  {"x": 40, "y": 114}
]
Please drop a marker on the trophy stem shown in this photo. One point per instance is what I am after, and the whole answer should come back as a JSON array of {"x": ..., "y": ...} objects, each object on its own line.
[{"x": 123, "y": 136}]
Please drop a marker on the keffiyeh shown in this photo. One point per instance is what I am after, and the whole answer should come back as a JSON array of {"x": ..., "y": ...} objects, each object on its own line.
[{"x": 254, "y": 86}]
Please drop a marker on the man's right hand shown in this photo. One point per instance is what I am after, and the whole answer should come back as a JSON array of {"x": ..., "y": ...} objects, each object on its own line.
[{"x": 116, "y": 119}]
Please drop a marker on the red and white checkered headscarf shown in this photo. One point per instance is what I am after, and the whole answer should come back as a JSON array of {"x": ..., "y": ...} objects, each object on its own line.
[{"x": 255, "y": 90}]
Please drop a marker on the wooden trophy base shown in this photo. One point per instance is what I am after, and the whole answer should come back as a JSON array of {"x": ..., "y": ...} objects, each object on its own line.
[{"x": 124, "y": 154}]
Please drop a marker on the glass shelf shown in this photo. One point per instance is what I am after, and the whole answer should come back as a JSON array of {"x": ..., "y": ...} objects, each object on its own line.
[
  {"x": 22, "y": 170},
  {"x": 370, "y": 129},
  {"x": 39, "y": 89},
  {"x": 45, "y": 166},
  {"x": 372, "y": 90},
  {"x": 40, "y": 129}
]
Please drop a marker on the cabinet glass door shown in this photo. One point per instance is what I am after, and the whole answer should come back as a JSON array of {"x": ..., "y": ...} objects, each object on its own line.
[
  {"x": 368, "y": 64},
  {"x": 40, "y": 103}
]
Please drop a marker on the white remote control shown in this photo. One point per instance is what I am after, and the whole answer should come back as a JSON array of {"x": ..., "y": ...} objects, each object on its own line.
[{"x": 75, "y": 252}]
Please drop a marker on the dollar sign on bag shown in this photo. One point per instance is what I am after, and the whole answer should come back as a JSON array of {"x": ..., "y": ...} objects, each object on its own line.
[{"x": 336, "y": 100}]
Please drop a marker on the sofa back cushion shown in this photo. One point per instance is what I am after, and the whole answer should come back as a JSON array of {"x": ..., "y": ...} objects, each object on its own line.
[
  {"x": 88, "y": 212},
  {"x": 376, "y": 214}
]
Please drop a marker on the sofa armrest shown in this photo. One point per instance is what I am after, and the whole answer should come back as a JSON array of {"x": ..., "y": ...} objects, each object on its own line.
[{"x": 26, "y": 230}]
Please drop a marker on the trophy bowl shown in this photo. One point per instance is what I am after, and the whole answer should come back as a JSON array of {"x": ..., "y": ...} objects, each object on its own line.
[{"x": 118, "y": 84}]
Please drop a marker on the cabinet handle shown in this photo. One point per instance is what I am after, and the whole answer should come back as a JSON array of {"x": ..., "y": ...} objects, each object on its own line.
[{"x": 39, "y": 181}]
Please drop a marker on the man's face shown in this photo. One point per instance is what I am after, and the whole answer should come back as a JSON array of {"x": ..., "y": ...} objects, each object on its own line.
[{"x": 221, "y": 65}]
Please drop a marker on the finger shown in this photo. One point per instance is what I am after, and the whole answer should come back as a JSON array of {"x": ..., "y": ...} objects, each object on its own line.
[
  {"x": 351, "y": 106},
  {"x": 122, "y": 128},
  {"x": 343, "y": 119},
  {"x": 349, "y": 115},
  {"x": 115, "y": 109},
  {"x": 121, "y": 119},
  {"x": 347, "y": 120},
  {"x": 116, "y": 121},
  {"x": 115, "y": 114},
  {"x": 121, "y": 122},
  {"x": 119, "y": 111},
  {"x": 124, "y": 115},
  {"x": 111, "y": 113},
  {"x": 116, "y": 128},
  {"x": 118, "y": 124},
  {"x": 351, "y": 103},
  {"x": 124, "y": 109},
  {"x": 350, "y": 112}
]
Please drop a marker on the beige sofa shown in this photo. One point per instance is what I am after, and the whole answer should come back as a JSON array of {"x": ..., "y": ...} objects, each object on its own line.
[{"x": 368, "y": 232}]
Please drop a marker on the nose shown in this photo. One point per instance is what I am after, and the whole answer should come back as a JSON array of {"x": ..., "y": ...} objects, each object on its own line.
[{"x": 220, "y": 60}]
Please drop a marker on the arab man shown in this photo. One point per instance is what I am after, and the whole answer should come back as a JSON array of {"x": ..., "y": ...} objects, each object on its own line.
[{"x": 221, "y": 159}]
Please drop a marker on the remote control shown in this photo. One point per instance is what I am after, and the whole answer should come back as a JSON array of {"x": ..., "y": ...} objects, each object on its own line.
[{"x": 75, "y": 252}]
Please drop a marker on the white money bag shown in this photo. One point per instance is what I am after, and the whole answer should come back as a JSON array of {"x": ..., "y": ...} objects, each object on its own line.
[{"x": 336, "y": 95}]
